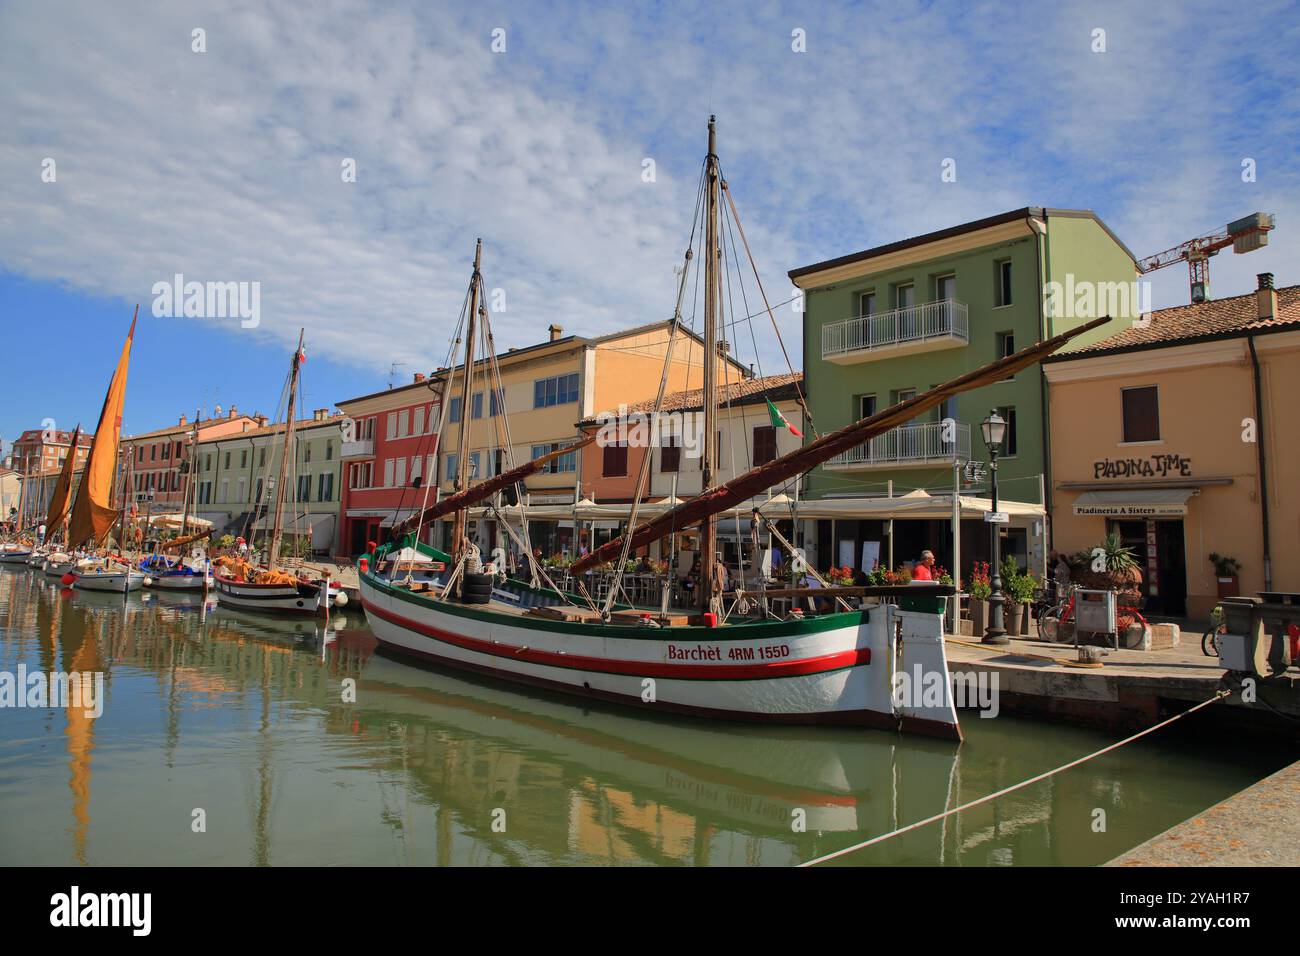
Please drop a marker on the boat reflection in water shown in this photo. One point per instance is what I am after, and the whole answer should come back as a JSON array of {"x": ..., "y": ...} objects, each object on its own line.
[{"x": 303, "y": 745}]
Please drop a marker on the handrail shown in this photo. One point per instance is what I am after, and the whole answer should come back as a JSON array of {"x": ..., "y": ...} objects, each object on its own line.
[{"x": 946, "y": 317}]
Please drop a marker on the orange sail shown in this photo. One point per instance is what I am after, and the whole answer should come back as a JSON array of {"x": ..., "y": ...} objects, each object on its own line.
[
  {"x": 59, "y": 500},
  {"x": 92, "y": 512}
]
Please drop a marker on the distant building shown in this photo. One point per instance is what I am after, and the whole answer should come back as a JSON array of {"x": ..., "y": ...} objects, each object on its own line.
[
  {"x": 40, "y": 449},
  {"x": 237, "y": 471},
  {"x": 153, "y": 460}
]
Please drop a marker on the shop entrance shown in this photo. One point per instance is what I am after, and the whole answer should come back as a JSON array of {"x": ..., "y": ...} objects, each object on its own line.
[{"x": 1157, "y": 545}]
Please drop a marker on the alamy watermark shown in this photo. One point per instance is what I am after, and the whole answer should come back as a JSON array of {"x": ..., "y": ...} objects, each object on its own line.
[
  {"x": 684, "y": 430},
  {"x": 59, "y": 689},
  {"x": 977, "y": 690},
  {"x": 208, "y": 300},
  {"x": 1086, "y": 299}
]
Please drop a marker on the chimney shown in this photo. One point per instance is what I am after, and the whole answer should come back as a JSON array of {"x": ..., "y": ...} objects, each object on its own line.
[
  {"x": 216, "y": 412},
  {"x": 556, "y": 331},
  {"x": 182, "y": 421},
  {"x": 1266, "y": 297},
  {"x": 233, "y": 413},
  {"x": 419, "y": 377},
  {"x": 261, "y": 421},
  {"x": 320, "y": 414}
]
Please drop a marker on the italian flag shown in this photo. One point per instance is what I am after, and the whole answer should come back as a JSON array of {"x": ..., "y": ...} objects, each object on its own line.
[{"x": 780, "y": 421}]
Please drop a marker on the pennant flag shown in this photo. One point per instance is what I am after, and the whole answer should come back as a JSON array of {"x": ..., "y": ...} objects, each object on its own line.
[
  {"x": 302, "y": 356},
  {"x": 780, "y": 421}
]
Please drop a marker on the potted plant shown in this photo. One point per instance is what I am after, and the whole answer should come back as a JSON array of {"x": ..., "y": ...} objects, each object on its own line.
[
  {"x": 840, "y": 577},
  {"x": 1019, "y": 589},
  {"x": 979, "y": 587},
  {"x": 1226, "y": 571}
]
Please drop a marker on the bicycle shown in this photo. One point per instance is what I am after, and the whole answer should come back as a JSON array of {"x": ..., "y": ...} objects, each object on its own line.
[
  {"x": 1210, "y": 646},
  {"x": 1063, "y": 610}
]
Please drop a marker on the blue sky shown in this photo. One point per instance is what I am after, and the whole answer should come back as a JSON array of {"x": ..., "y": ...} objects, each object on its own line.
[{"x": 225, "y": 165}]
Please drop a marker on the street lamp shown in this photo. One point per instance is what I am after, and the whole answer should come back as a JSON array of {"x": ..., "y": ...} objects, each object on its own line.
[{"x": 994, "y": 429}]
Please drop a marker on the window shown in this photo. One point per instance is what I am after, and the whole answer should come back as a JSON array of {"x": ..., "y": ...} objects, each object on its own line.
[
  {"x": 474, "y": 464},
  {"x": 417, "y": 420},
  {"x": 243, "y": 458},
  {"x": 454, "y": 410},
  {"x": 388, "y": 472},
  {"x": 241, "y": 493},
  {"x": 167, "y": 451},
  {"x": 476, "y": 405},
  {"x": 494, "y": 406},
  {"x": 227, "y": 465},
  {"x": 207, "y": 462},
  {"x": 945, "y": 287},
  {"x": 304, "y": 488},
  {"x": 258, "y": 491},
  {"x": 904, "y": 395},
  {"x": 1009, "y": 444},
  {"x": 261, "y": 457},
  {"x": 1006, "y": 346},
  {"x": 325, "y": 486},
  {"x": 329, "y": 450},
  {"x": 1141, "y": 413},
  {"x": 306, "y": 453},
  {"x": 904, "y": 296},
  {"x": 866, "y": 406},
  {"x": 453, "y": 467},
  {"x": 670, "y": 455},
  {"x": 1003, "y": 282},
  {"x": 367, "y": 429},
  {"x": 614, "y": 463},
  {"x": 417, "y": 464},
  {"x": 564, "y": 463},
  {"x": 390, "y": 424},
  {"x": 400, "y": 475},
  {"x": 153, "y": 452},
  {"x": 867, "y": 303},
  {"x": 403, "y": 423},
  {"x": 176, "y": 481},
  {"x": 764, "y": 444},
  {"x": 555, "y": 391},
  {"x": 141, "y": 457}
]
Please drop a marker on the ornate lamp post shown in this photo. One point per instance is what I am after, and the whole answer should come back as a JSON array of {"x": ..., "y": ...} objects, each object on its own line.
[{"x": 994, "y": 429}]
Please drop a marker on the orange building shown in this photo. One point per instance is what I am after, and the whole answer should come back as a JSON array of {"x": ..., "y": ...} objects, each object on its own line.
[{"x": 1181, "y": 434}]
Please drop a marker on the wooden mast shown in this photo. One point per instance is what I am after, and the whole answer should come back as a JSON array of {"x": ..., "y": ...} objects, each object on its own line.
[
  {"x": 189, "y": 474},
  {"x": 708, "y": 589},
  {"x": 277, "y": 528},
  {"x": 462, "y": 448}
]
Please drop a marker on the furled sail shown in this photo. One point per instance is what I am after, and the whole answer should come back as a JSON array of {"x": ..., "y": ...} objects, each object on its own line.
[
  {"x": 59, "y": 500},
  {"x": 463, "y": 499},
  {"x": 850, "y": 436},
  {"x": 92, "y": 511}
]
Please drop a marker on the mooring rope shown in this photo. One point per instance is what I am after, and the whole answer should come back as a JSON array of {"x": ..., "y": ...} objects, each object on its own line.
[{"x": 1019, "y": 786}]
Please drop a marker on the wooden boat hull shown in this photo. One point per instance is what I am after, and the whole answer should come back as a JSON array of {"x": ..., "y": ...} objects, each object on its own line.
[
  {"x": 115, "y": 582},
  {"x": 300, "y": 598},
  {"x": 57, "y": 569},
  {"x": 14, "y": 557},
  {"x": 170, "y": 581},
  {"x": 833, "y": 669}
]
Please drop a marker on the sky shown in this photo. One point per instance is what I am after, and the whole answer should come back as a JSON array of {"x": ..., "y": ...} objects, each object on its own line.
[{"x": 128, "y": 155}]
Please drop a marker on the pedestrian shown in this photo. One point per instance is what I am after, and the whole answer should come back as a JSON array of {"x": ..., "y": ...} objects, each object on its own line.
[{"x": 924, "y": 570}]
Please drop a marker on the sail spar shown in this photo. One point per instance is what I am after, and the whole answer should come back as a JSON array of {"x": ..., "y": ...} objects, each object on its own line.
[
  {"x": 92, "y": 511},
  {"x": 850, "y": 436}
]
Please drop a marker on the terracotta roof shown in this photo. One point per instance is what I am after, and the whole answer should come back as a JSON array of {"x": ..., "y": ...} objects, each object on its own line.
[
  {"x": 1218, "y": 318},
  {"x": 274, "y": 429},
  {"x": 36, "y": 435},
  {"x": 177, "y": 428},
  {"x": 750, "y": 391}
]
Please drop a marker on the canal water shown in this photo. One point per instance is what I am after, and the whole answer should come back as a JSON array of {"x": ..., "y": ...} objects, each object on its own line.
[{"x": 231, "y": 739}]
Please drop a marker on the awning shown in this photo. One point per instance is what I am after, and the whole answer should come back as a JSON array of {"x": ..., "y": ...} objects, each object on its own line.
[{"x": 1134, "y": 503}]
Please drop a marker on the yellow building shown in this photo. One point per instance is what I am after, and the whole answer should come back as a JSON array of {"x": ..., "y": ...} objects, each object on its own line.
[{"x": 1181, "y": 434}]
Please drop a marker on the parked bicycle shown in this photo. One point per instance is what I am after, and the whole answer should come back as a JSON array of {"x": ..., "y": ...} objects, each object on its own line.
[{"x": 1209, "y": 645}]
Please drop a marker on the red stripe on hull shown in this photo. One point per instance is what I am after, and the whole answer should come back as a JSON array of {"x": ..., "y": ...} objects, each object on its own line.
[{"x": 812, "y": 665}]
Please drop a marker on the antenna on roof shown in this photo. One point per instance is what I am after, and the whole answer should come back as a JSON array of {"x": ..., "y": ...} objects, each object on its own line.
[{"x": 392, "y": 372}]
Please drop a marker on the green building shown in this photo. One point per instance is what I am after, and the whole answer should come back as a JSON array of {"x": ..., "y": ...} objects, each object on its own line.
[{"x": 887, "y": 323}]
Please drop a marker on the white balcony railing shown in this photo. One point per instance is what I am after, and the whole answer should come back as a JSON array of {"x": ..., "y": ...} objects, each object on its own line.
[
  {"x": 909, "y": 445},
  {"x": 939, "y": 324},
  {"x": 358, "y": 449}
]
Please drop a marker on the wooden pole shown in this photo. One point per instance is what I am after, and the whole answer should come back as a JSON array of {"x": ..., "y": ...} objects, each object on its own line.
[
  {"x": 277, "y": 528},
  {"x": 709, "y": 600},
  {"x": 467, "y": 379}
]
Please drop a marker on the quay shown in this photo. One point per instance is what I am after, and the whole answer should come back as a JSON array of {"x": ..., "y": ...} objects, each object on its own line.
[
  {"x": 1260, "y": 826},
  {"x": 1132, "y": 690}
]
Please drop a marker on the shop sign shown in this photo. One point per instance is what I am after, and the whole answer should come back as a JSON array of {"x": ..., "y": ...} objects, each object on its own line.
[{"x": 1154, "y": 466}]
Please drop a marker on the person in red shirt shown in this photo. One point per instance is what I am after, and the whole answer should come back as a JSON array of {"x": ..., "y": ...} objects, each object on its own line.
[{"x": 924, "y": 568}]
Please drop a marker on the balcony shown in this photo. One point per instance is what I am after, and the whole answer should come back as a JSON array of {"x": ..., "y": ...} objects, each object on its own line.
[
  {"x": 931, "y": 443},
  {"x": 358, "y": 449},
  {"x": 921, "y": 328}
]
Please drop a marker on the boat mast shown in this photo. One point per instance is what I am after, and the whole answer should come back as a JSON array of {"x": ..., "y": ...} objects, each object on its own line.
[
  {"x": 709, "y": 599},
  {"x": 189, "y": 474},
  {"x": 462, "y": 448},
  {"x": 125, "y": 463},
  {"x": 277, "y": 527}
]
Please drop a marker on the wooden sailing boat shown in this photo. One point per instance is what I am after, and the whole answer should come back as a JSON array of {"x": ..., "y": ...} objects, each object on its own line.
[
  {"x": 93, "y": 513},
  {"x": 270, "y": 588},
  {"x": 165, "y": 574},
  {"x": 828, "y": 668}
]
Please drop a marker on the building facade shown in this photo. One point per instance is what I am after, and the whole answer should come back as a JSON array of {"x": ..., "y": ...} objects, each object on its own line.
[
  {"x": 1181, "y": 435},
  {"x": 888, "y": 323},
  {"x": 153, "y": 460},
  {"x": 236, "y": 477},
  {"x": 41, "y": 449}
]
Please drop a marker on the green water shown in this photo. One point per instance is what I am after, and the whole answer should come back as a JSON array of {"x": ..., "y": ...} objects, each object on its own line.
[{"x": 240, "y": 722}]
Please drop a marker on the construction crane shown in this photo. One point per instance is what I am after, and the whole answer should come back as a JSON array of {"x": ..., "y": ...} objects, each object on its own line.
[{"x": 1244, "y": 235}]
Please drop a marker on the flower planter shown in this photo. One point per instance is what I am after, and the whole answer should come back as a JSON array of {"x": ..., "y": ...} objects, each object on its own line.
[
  {"x": 1228, "y": 586},
  {"x": 979, "y": 616},
  {"x": 1011, "y": 616}
]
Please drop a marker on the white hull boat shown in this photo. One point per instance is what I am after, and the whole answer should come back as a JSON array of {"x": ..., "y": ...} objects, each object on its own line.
[{"x": 115, "y": 582}]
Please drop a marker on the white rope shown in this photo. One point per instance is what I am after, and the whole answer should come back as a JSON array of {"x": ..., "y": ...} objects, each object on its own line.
[{"x": 1019, "y": 786}]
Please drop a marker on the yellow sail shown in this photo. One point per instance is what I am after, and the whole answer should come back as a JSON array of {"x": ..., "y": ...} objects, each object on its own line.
[
  {"x": 59, "y": 500},
  {"x": 92, "y": 512}
]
